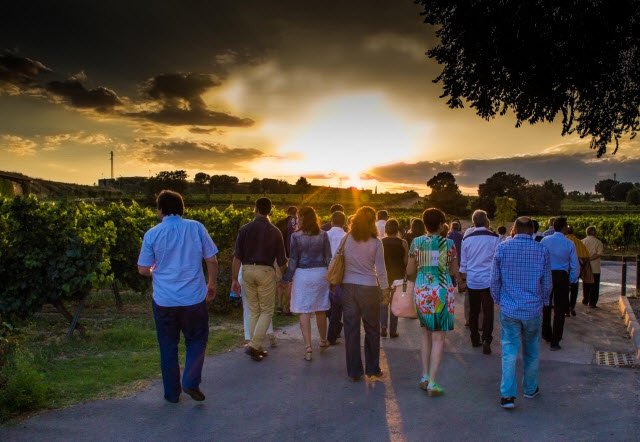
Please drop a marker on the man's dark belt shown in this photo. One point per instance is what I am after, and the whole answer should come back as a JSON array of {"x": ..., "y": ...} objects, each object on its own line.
[{"x": 257, "y": 263}]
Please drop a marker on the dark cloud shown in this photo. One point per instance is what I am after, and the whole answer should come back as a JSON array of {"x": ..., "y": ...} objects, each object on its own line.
[
  {"x": 19, "y": 72},
  {"x": 204, "y": 130},
  {"x": 199, "y": 155},
  {"x": 575, "y": 171},
  {"x": 181, "y": 103},
  {"x": 73, "y": 92},
  {"x": 171, "y": 88},
  {"x": 175, "y": 116}
]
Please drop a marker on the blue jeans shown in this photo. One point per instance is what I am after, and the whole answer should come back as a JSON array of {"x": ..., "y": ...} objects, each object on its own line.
[
  {"x": 193, "y": 322},
  {"x": 512, "y": 331}
]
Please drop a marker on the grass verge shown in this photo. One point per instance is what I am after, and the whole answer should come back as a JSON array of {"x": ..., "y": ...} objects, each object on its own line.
[{"x": 116, "y": 356}]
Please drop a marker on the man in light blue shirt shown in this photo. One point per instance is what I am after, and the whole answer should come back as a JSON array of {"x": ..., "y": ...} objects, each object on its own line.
[
  {"x": 565, "y": 269},
  {"x": 172, "y": 254}
]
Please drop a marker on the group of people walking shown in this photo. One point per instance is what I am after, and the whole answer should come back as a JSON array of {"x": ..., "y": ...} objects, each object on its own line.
[{"x": 521, "y": 274}]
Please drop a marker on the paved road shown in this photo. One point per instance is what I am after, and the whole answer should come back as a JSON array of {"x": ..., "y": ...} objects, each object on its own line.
[{"x": 287, "y": 398}]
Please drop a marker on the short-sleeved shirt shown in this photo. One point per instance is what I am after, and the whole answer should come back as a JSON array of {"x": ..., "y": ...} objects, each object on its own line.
[
  {"x": 175, "y": 249},
  {"x": 260, "y": 242}
]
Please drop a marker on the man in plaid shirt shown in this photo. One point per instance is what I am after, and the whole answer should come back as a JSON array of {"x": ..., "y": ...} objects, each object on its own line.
[{"x": 521, "y": 284}]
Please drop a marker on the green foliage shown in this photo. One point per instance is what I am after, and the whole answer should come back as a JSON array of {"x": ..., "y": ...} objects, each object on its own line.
[
  {"x": 501, "y": 184},
  {"x": 445, "y": 194},
  {"x": 22, "y": 385},
  {"x": 505, "y": 210},
  {"x": 542, "y": 60},
  {"x": 616, "y": 231},
  {"x": 130, "y": 222},
  {"x": 603, "y": 187},
  {"x": 50, "y": 253},
  {"x": 633, "y": 196}
]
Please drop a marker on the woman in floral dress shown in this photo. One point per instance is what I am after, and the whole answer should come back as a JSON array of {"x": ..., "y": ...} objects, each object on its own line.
[{"x": 432, "y": 261}]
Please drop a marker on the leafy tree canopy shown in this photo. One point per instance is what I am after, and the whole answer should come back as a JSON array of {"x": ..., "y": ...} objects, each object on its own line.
[
  {"x": 445, "y": 194},
  {"x": 579, "y": 59},
  {"x": 603, "y": 187}
]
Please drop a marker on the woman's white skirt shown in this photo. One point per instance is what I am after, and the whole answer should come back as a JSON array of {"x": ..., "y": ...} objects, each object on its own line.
[{"x": 310, "y": 291}]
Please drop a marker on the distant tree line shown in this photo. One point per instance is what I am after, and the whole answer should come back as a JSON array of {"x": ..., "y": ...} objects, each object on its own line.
[
  {"x": 544, "y": 198},
  {"x": 530, "y": 198}
]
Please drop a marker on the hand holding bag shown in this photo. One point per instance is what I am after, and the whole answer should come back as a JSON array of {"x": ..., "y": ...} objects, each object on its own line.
[
  {"x": 335, "y": 272},
  {"x": 402, "y": 302}
]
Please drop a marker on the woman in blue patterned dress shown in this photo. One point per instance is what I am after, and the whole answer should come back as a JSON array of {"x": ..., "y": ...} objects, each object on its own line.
[{"x": 432, "y": 261}]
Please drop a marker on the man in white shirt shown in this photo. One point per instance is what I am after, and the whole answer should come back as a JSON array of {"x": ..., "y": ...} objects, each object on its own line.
[
  {"x": 476, "y": 258},
  {"x": 591, "y": 292},
  {"x": 336, "y": 233},
  {"x": 382, "y": 216}
]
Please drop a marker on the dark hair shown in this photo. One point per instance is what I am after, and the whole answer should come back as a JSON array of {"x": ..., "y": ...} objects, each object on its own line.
[
  {"x": 523, "y": 224},
  {"x": 382, "y": 215},
  {"x": 336, "y": 208},
  {"x": 455, "y": 225},
  {"x": 432, "y": 218},
  {"x": 536, "y": 225},
  {"x": 292, "y": 210},
  {"x": 502, "y": 230},
  {"x": 569, "y": 230},
  {"x": 264, "y": 206},
  {"x": 170, "y": 203},
  {"x": 363, "y": 224},
  {"x": 559, "y": 224},
  {"x": 338, "y": 218},
  {"x": 391, "y": 227},
  {"x": 417, "y": 227},
  {"x": 591, "y": 229},
  {"x": 309, "y": 221}
]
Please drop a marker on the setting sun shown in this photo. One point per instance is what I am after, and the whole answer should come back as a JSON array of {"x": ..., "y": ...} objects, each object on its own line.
[{"x": 347, "y": 135}]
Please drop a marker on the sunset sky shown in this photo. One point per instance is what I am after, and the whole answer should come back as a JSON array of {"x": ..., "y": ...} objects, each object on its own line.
[{"x": 327, "y": 90}]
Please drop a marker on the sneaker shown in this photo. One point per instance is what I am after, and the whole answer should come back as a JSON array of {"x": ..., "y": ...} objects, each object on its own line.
[
  {"x": 508, "y": 402},
  {"x": 273, "y": 341},
  {"x": 373, "y": 377},
  {"x": 393, "y": 335},
  {"x": 356, "y": 378},
  {"x": 534, "y": 394}
]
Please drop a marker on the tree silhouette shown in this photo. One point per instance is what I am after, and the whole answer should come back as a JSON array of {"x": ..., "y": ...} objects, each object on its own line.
[
  {"x": 579, "y": 59},
  {"x": 445, "y": 194}
]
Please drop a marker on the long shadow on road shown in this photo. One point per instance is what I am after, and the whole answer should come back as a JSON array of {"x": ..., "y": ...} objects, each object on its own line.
[{"x": 287, "y": 398}]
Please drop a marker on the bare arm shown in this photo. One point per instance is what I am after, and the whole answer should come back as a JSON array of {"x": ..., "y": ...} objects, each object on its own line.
[
  {"x": 235, "y": 269},
  {"x": 405, "y": 258},
  {"x": 212, "y": 277},
  {"x": 145, "y": 270}
]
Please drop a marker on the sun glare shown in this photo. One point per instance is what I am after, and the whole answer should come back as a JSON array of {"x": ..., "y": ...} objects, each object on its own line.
[{"x": 347, "y": 135}]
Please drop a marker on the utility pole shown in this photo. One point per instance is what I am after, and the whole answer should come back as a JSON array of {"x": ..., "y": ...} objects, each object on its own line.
[{"x": 111, "y": 164}]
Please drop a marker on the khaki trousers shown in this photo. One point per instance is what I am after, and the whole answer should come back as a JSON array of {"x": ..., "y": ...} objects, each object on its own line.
[{"x": 260, "y": 288}]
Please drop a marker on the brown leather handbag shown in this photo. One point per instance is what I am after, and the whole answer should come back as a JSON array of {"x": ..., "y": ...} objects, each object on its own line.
[{"x": 335, "y": 272}]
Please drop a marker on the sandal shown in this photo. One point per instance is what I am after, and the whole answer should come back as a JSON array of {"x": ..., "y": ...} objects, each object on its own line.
[
  {"x": 434, "y": 390},
  {"x": 308, "y": 354},
  {"x": 323, "y": 343}
]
